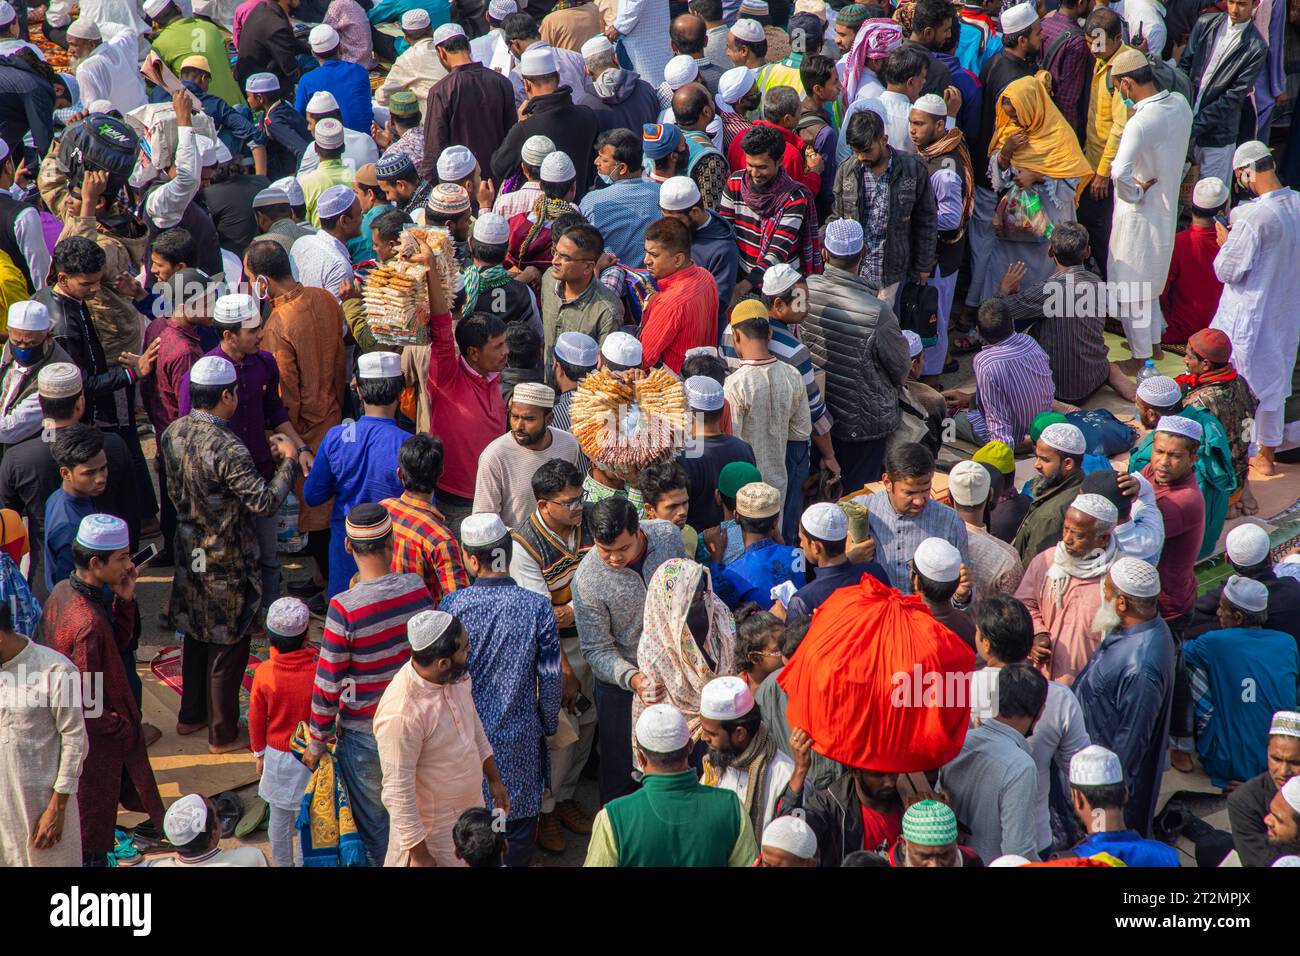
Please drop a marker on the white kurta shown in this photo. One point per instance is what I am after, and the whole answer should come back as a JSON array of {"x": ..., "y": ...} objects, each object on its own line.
[
  {"x": 769, "y": 407},
  {"x": 778, "y": 776},
  {"x": 42, "y": 746},
  {"x": 1146, "y": 18},
  {"x": 112, "y": 71}
]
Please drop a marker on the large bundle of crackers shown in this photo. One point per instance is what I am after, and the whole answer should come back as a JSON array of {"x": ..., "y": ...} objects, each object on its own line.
[
  {"x": 440, "y": 243},
  {"x": 397, "y": 303},
  {"x": 625, "y": 424}
]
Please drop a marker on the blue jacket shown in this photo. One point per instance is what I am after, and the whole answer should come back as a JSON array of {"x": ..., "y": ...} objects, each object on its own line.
[
  {"x": 1130, "y": 848},
  {"x": 829, "y": 580},
  {"x": 350, "y": 84},
  {"x": 751, "y": 577},
  {"x": 713, "y": 247},
  {"x": 233, "y": 127}
]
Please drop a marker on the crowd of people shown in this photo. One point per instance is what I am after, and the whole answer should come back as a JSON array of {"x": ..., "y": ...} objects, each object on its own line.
[{"x": 796, "y": 217}]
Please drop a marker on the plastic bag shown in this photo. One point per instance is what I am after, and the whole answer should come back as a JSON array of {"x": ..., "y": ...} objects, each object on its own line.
[{"x": 1020, "y": 216}]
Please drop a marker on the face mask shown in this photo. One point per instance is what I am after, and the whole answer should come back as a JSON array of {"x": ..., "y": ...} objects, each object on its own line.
[
  {"x": 26, "y": 356},
  {"x": 605, "y": 178},
  {"x": 261, "y": 288},
  {"x": 1127, "y": 102},
  {"x": 697, "y": 619}
]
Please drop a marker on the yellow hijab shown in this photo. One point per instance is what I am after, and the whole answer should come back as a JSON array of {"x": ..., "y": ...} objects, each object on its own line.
[{"x": 1053, "y": 147}]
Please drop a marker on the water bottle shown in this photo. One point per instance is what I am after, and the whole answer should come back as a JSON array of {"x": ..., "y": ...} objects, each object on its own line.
[
  {"x": 289, "y": 540},
  {"x": 1148, "y": 371}
]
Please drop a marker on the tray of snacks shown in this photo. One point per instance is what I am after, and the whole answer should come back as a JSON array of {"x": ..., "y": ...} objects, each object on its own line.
[{"x": 624, "y": 422}]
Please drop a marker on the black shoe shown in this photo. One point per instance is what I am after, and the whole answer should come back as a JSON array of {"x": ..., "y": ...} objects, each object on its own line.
[
  {"x": 317, "y": 604},
  {"x": 303, "y": 588}
]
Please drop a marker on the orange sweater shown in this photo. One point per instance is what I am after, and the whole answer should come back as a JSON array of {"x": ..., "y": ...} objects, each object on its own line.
[{"x": 281, "y": 697}]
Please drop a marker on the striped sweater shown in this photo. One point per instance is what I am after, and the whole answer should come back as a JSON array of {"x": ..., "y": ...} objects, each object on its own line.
[
  {"x": 363, "y": 647},
  {"x": 765, "y": 243}
]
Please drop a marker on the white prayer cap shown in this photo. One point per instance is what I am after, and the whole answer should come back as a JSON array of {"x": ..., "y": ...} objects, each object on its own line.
[
  {"x": 1181, "y": 425},
  {"x": 103, "y": 532},
  {"x": 491, "y": 229},
  {"x": 185, "y": 820},
  {"x": 323, "y": 38},
  {"x": 622, "y": 349},
  {"x": 1009, "y": 859},
  {"x": 1018, "y": 18},
  {"x": 825, "y": 521},
  {"x": 844, "y": 237},
  {"x": 1285, "y": 723},
  {"x": 7, "y": 14},
  {"x": 322, "y": 101},
  {"x": 662, "y": 729},
  {"x": 736, "y": 82},
  {"x": 1291, "y": 793},
  {"x": 328, "y": 133},
  {"x": 597, "y": 47},
  {"x": 580, "y": 349},
  {"x": 914, "y": 344},
  {"x": 417, "y": 19},
  {"x": 1249, "y": 153},
  {"x": 680, "y": 70},
  {"x": 262, "y": 83},
  {"x": 1289, "y": 860},
  {"x": 1210, "y": 193},
  {"x": 1095, "y": 766},
  {"x": 292, "y": 188},
  {"x": 558, "y": 168},
  {"x": 84, "y": 29},
  {"x": 212, "y": 370},
  {"x": 1064, "y": 437},
  {"x": 937, "y": 560},
  {"x": 500, "y": 9},
  {"x": 426, "y": 627},
  {"x": 816, "y": 7},
  {"x": 237, "y": 308},
  {"x": 223, "y": 152},
  {"x": 448, "y": 31},
  {"x": 154, "y": 7},
  {"x": 1246, "y": 594},
  {"x": 288, "y": 617},
  {"x": 335, "y": 201},
  {"x": 748, "y": 31},
  {"x": 480, "y": 530},
  {"x": 536, "y": 149},
  {"x": 379, "y": 365},
  {"x": 537, "y": 61},
  {"x": 791, "y": 834},
  {"x": 779, "y": 278},
  {"x": 726, "y": 698},
  {"x": 207, "y": 150},
  {"x": 1135, "y": 577},
  {"x": 59, "y": 380},
  {"x": 535, "y": 394},
  {"x": 29, "y": 316},
  {"x": 703, "y": 394},
  {"x": 270, "y": 196},
  {"x": 931, "y": 103},
  {"x": 456, "y": 163},
  {"x": 678, "y": 193},
  {"x": 969, "y": 483},
  {"x": 1096, "y": 506},
  {"x": 1247, "y": 545},
  {"x": 1160, "y": 391}
]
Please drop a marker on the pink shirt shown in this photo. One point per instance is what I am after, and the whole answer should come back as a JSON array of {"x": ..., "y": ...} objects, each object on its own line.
[
  {"x": 1183, "y": 508},
  {"x": 681, "y": 316},
  {"x": 468, "y": 412},
  {"x": 241, "y": 14},
  {"x": 1069, "y": 623}
]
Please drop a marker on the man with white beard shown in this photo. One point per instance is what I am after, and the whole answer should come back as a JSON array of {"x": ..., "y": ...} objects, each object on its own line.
[
  {"x": 1062, "y": 588},
  {"x": 1127, "y": 689}
]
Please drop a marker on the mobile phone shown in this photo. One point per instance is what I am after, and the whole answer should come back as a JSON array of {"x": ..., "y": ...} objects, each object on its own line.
[
  {"x": 582, "y": 704},
  {"x": 1222, "y": 220},
  {"x": 144, "y": 556}
]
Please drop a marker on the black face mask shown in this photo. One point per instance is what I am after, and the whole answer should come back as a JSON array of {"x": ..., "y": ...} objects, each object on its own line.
[{"x": 697, "y": 619}]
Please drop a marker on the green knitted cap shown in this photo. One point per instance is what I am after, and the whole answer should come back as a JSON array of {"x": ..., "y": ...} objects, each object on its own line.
[{"x": 930, "y": 823}]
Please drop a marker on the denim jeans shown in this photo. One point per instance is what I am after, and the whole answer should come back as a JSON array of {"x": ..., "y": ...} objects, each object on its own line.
[
  {"x": 520, "y": 835},
  {"x": 796, "y": 473},
  {"x": 357, "y": 756}
]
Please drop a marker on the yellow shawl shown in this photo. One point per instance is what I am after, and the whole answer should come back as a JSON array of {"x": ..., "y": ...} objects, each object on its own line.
[{"x": 1053, "y": 147}]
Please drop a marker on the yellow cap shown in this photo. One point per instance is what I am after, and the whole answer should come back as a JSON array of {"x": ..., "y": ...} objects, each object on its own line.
[
  {"x": 749, "y": 309},
  {"x": 196, "y": 63}
]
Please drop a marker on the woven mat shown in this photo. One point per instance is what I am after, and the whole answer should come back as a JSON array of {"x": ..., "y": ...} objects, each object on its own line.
[{"x": 167, "y": 668}]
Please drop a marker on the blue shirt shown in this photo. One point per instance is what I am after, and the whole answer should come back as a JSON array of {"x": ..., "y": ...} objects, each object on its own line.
[
  {"x": 1130, "y": 848},
  {"x": 233, "y": 127},
  {"x": 829, "y": 580},
  {"x": 350, "y": 84},
  {"x": 63, "y": 514},
  {"x": 356, "y": 464},
  {"x": 762, "y": 566},
  {"x": 621, "y": 211}
]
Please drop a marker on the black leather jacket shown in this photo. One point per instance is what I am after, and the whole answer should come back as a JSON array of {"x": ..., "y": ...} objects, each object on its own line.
[
  {"x": 1225, "y": 116},
  {"x": 74, "y": 332}
]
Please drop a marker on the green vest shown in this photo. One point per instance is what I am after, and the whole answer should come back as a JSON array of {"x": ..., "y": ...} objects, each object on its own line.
[{"x": 674, "y": 820}]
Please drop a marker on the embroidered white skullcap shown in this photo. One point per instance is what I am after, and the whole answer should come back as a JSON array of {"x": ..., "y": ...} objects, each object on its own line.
[
  {"x": 59, "y": 380},
  {"x": 1247, "y": 545},
  {"x": 1095, "y": 766},
  {"x": 703, "y": 394},
  {"x": 480, "y": 530},
  {"x": 779, "y": 278},
  {"x": 758, "y": 8},
  {"x": 937, "y": 560},
  {"x": 662, "y": 729},
  {"x": 84, "y": 29},
  {"x": 500, "y": 9},
  {"x": 621, "y": 349},
  {"x": 1064, "y": 437},
  {"x": 969, "y": 483},
  {"x": 1009, "y": 859},
  {"x": 1160, "y": 391},
  {"x": 816, "y": 7},
  {"x": 322, "y": 101},
  {"x": 335, "y": 201},
  {"x": 726, "y": 698},
  {"x": 535, "y": 394},
  {"x": 186, "y": 819},
  {"x": 237, "y": 308},
  {"x": 1180, "y": 425},
  {"x": 580, "y": 349},
  {"x": 1096, "y": 506},
  {"x": 931, "y": 103},
  {"x": 154, "y": 7},
  {"x": 536, "y": 149},
  {"x": 748, "y": 31},
  {"x": 1246, "y": 594},
  {"x": 292, "y": 188},
  {"x": 1285, "y": 723},
  {"x": 448, "y": 31},
  {"x": 1135, "y": 577},
  {"x": 1289, "y": 860},
  {"x": 417, "y": 19},
  {"x": 678, "y": 193},
  {"x": 791, "y": 834},
  {"x": 29, "y": 316},
  {"x": 1248, "y": 153},
  {"x": 558, "y": 168},
  {"x": 1210, "y": 193},
  {"x": 323, "y": 38},
  {"x": 103, "y": 533},
  {"x": 206, "y": 147},
  {"x": 1291, "y": 793},
  {"x": 844, "y": 237},
  {"x": 491, "y": 229},
  {"x": 825, "y": 521},
  {"x": 262, "y": 83},
  {"x": 1018, "y": 18},
  {"x": 914, "y": 345},
  {"x": 456, "y": 163},
  {"x": 737, "y": 81},
  {"x": 288, "y": 617},
  {"x": 537, "y": 61},
  {"x": 7, "y": 14},
  {"x": 212, "y": 370},
  {"x": 379, "y": 365},
  {"x": 426, "y": 627},
  {"x": 270, "y": 196},
  {"x": 596, "y": 47},
  {"x": 328, "y": 133},
  {"x": 680, "y": 70}
]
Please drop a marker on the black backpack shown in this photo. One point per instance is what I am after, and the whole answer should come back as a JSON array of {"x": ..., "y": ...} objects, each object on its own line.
[{"x": 99, "y": 142}]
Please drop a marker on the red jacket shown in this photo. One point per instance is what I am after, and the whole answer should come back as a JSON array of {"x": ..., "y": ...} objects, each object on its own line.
[
  {"x": 1192, "y": 290},
  {"x": 792, "y": 161},
  {"x": 468, "y": 411},
  {"x": 682, "y": 315},
  {"x": 280, "y": 698}
]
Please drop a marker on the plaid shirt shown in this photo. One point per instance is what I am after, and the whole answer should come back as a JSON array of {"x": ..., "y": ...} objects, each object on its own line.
[
  {"x": 423, "y": 545},
  {"x": 1071, "y": 69},
  {"x": 875, "y": 201}
]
